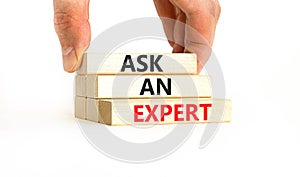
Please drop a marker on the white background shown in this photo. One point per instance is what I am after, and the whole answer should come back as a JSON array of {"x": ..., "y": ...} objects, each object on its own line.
[{"x": 257, "y": 43}]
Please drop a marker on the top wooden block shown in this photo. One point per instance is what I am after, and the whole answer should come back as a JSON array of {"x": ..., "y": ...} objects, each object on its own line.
[{"x": 138, "y": 63}]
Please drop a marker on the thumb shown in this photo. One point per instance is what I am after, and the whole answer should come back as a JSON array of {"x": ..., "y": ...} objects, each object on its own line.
[{"x": 73, "y": 30}]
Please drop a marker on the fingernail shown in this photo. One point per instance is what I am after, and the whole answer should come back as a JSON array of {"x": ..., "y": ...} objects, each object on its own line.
[{"x": 69, "y": 59}]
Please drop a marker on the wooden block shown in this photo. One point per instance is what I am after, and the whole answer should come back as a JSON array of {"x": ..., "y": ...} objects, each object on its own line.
[
  {"x": 166, "y": 111},
  {"x": 96, "y": 108},
  {"x": 104, "y": 63},
  {"x": 129, "y": 86},
  {"x": 80, "y": 84},
  {"x": 80, "y": 107}
]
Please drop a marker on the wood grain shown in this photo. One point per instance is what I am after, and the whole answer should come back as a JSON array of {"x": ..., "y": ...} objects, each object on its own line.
[
  {"x": 108, "y": 64},
  {"x": 80, "y": 107},
  {"x": 121, "y": 111},
  {"x": 129, "y": 86}
]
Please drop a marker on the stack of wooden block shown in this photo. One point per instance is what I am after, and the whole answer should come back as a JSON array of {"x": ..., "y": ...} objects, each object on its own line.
[{"x": 131, "y": 89}]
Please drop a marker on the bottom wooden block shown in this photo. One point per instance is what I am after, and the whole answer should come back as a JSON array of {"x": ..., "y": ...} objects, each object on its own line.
[
  {"x": 80, "y": 107},
  {"x": 157, "y": 111}
]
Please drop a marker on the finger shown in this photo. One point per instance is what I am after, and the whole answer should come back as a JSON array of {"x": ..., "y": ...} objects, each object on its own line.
[
  {"x": 202, "y": 17},
  {"x": 202, "y": 51},
  {"x": 73, "y": 30},
  {"x": 167, "y": 13},
  {"x": 179, "y": 32}
]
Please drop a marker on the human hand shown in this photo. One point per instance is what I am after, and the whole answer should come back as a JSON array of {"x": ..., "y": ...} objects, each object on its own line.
[
  {"x": 200, "y": 17},
  {"x": 71, "y": 21},
  {"x": 73, "y": 28}
]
